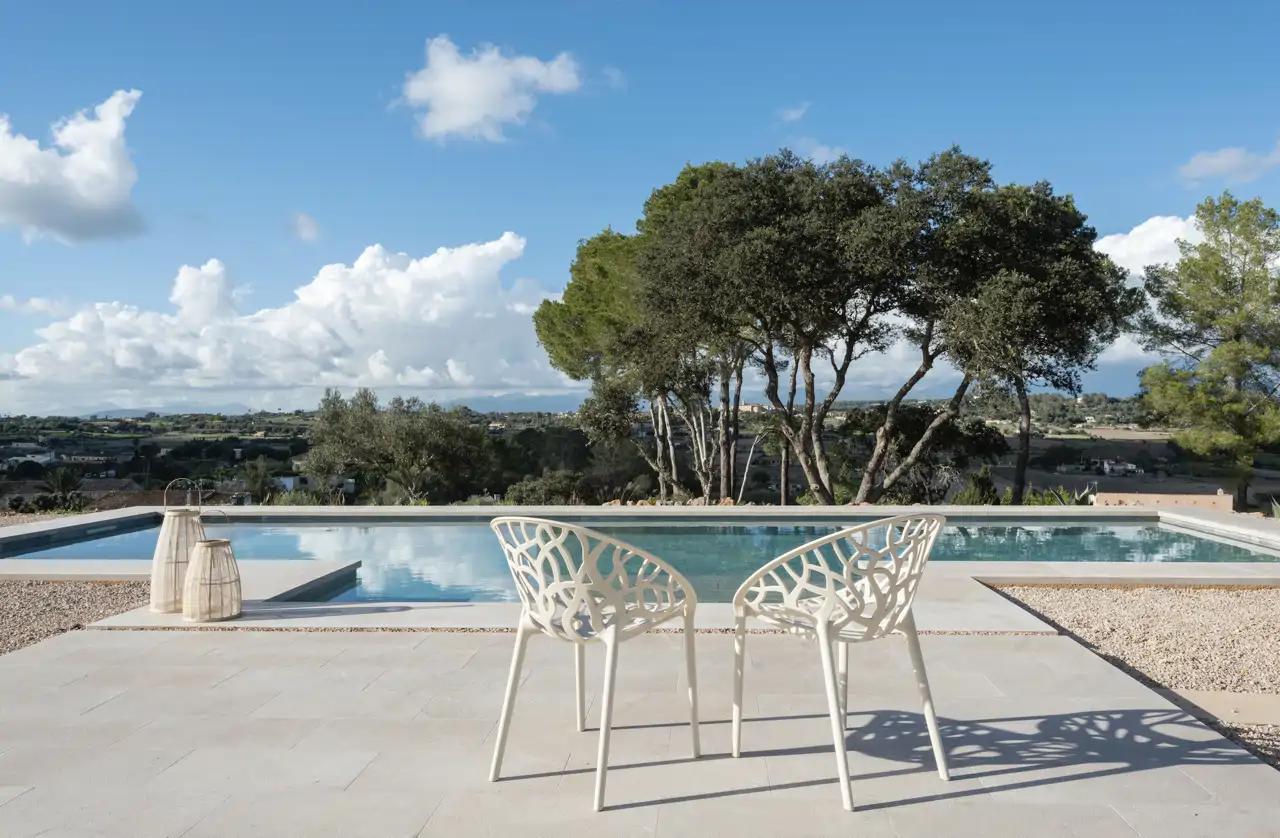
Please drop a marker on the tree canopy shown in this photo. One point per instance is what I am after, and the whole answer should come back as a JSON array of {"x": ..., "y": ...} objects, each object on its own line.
[{"x": 1215, "y": 315}]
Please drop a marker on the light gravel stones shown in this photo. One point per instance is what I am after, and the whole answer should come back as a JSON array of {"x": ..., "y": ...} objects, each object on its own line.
[
  {"x": 1181, "y": 638},
  {"x": 30, "y": 611}
]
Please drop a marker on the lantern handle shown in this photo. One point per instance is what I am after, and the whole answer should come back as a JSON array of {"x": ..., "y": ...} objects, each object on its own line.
[
  {"x": 225, "y": 516},
  {"x": 199, "y": 492}
]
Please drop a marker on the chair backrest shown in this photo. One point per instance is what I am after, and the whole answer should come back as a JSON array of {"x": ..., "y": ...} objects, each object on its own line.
[
  {"x": 865, "y": 576},
  {"x": 575, "y": 583}
]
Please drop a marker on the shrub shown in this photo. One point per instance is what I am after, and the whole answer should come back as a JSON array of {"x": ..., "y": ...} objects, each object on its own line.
[
  {"x": 843, "y": 493},
  {"x": 19, "y": 504},
  {"x": 297, "y": 497},
  {"x": 981, "y": 490},
  {"x": 559, "y": 488}
]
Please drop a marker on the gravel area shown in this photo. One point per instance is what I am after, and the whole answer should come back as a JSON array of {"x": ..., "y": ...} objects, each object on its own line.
[
  {"x": 1224, "y": 639},
  {"x": 30, "y": 611},
  {"x": 11, "y": 518}
]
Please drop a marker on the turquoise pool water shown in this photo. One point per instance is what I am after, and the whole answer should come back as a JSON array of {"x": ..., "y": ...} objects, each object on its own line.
[{"x": 461, "y": 562}]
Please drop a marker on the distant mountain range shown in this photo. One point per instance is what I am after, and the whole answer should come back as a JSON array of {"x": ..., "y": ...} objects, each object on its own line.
[{"x": 507, "y": 403}]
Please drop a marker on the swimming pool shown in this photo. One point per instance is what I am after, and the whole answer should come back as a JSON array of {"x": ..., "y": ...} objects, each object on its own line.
[{"x": 461, "y": 562}]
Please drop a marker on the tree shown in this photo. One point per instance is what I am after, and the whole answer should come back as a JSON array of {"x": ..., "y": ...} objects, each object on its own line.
[
  {"x": 753, "y": 257},
  {"x": 1048, "y": 311},
  {"x": 258, "y": 481},
  {"x": 928, "y": 475},
  {"x": 1215, "y": 315},
  {"x": 424, "y": 450},
  {"x": 595, "y": 333}
]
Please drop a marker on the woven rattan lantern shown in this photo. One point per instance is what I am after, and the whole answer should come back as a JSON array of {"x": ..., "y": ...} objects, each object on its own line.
[
  {"x": 212, "y": 589},
  {"x": 179, "y": 532}
]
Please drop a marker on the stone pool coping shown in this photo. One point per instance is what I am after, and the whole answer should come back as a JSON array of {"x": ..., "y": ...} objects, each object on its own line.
[{"x": 954, "y": 599}]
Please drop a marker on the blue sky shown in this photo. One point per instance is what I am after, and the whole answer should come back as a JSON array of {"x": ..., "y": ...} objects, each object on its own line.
[{"x": 252, "y": 114}]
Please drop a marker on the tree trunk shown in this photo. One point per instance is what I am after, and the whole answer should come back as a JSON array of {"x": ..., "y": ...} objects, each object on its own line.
[
  {"x": 1242, "y": 496},
  {"x": 722, "y": 432},
  {"x": 884, "y": 434},
  {"x": 1024, "y": 443},
  {"x": 743, "y": 487},
  {"x": 784, "y": 480},
  {"x": 659, "y": 463},
  {"x": 922, "y": 446},
  {"x": 735, "y": 427}
]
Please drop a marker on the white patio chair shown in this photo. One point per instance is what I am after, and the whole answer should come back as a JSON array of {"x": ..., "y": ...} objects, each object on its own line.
[
  {"x": 581, "y": 586},
  {"x": 853, "y": 586}
]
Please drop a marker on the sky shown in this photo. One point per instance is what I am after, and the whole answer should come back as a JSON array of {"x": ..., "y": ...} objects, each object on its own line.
[{"x": 245, "y": 203}]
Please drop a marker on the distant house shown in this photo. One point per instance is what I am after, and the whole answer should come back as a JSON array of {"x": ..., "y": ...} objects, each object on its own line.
[{"x": 754, "y": 408}]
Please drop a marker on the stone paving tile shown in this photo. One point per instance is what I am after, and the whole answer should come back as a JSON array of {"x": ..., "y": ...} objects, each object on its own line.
[
  {"x": 502, "y": 811},
  {"x": 375, "y": 730},
  {"x": 33, "y": 704},
  {"x": 750, "y": 817},
  {"x": 225, "y": 699},
  {"x": 74, "y": 731},
  {"x": 229, "y": 769},
  {"x": 1211, "y": 821},
  {"x": 115, "y": 766},
  {"x": 90, "y": 812},
  {"x": 342, "y": 702},
  {"x": 192, "y": 732},
  {"x": 419, "y": 733},
  {"x": 135, "y": 675},
  {"x": 8, "y": 793},
  {"x": 319, "y": 813},
  {"x": 976, "y": 819}
]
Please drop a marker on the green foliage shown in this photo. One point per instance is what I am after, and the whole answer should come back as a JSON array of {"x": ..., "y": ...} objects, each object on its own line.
[
  {"x": 1216, "y": 316},
  {"x": 258, "y": 481},
  {"x": 981, "y": 490},
  {"x": 551, "y": 489},
  {"x": 299, "y": 497},
  {"x": 843, "y": 493},
  {"x": 423, "y": 450},
  {"x": 929, "y": 476}
]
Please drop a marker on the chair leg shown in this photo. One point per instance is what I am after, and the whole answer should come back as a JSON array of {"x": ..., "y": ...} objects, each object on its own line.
[
  {"x": 523, "y": 633},
  {"x": 606, "y": 711},
  {"x": 579, "y": 673},
  {"x": 926, "y": 697},
  {"x": 691, "y": 672},
  {"x": 837, "y": 723},
  {"x": 842, "y": 685},
  {"x": 739, "y": 672}
]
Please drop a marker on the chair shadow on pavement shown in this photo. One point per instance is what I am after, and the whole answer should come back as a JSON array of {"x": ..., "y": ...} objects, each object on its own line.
[{"x": 1084, "y": 745}]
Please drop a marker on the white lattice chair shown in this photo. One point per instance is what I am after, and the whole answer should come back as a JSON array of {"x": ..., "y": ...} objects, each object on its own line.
[
  {"x": 853, "y": 586},
  {"x": 581, "y": 586}
]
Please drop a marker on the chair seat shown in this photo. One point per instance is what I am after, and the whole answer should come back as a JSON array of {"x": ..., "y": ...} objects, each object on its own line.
[
  {"x": 804, "y": 620},
  {"x": 637, "y": 618}
]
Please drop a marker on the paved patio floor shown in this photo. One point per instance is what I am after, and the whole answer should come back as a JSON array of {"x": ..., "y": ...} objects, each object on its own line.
[{"x": 240, "y": 733}]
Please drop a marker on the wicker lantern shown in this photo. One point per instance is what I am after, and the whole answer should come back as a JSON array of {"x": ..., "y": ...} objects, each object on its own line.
[
  {"x": 179, "y": 532},
  {"x": 212, "y": 589}
]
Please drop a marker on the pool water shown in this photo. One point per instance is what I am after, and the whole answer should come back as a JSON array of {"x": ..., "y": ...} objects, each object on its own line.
[{"x": 462, "y": 562}]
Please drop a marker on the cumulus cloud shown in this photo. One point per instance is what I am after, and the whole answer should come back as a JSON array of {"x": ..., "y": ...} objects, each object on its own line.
[
  {"x": 1153, "y": 242},
  {"x": 818, "y": 152},
  {"x": 473, "y": 97},
  {"x": 305, "y": 227},
  {"x": 1233, "y": 165},
  {"x": 794, "y": 114},
  {"x": 32, "y": 305},
  {"x": 614, "y": 78},
  {"x": 80, "y": 187},
  {"x": 442, "y": 322}
]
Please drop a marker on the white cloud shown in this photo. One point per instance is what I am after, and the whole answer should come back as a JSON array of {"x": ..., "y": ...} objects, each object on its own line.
[
  {"x": 615, "y": 78},
  {"x": 818, "y": 152},
  {"x": 473, "y": 97},
  {"x": 33, "y": 305},
  {"x": 305, "y": 227},
  {"x": 443, "y": 322},
  {"x": 77, "y": 189},
  {"x": 794, "y": 114},
  {"x": 1153, "y": 242},
  {"x": 1233, "y": 165}
]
